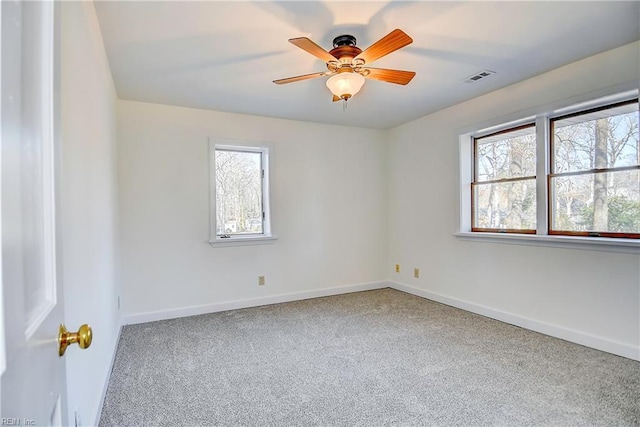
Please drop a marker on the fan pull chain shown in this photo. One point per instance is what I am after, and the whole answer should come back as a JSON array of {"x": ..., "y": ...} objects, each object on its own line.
[{"x": 344, "y": 104}]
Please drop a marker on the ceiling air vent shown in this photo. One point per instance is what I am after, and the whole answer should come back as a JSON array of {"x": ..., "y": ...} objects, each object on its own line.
[{"x": 478, "y": 76}]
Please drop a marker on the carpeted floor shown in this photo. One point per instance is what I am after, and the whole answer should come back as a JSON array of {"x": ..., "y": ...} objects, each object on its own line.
[{"x": 364, "y": 359}]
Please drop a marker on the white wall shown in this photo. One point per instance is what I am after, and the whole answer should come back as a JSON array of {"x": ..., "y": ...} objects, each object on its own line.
[
  {"x": 89, "y": 206},
  {"x": 328, "y": 209},
  {"x": 591, "y": 295},
  {"x": 348, "y": 204}
]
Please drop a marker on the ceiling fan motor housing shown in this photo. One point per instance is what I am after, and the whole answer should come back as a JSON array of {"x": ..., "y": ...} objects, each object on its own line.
[{"x": 344, "y": 48}]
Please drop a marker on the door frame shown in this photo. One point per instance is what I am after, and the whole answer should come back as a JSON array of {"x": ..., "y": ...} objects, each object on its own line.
[{"x": 3, "y": 361}]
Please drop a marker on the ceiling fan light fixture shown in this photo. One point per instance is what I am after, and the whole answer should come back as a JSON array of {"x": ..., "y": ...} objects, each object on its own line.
[{"x": 345, "y": 85}]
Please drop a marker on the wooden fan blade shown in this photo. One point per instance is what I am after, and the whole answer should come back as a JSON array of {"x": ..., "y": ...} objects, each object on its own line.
[
  {"x": 393, "y": 41},
  {"x": 298, "y": 78},
  {"x": 391, "y": 76},
  {"x": 315, "y": 50},
  {"x": 335, "y": 98}
]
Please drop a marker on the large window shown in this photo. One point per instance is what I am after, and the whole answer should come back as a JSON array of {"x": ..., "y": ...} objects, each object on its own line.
[
  {"x": 595, "y": 172},
  {"x": 240, "y": 192},
  {"x": 571, "y": 172}
]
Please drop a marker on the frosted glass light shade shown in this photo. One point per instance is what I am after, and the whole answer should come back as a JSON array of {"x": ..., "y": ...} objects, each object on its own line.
[{"x": 345, "y": 85}]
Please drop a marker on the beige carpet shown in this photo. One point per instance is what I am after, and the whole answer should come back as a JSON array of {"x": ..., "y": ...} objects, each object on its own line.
[{"x": 364, "y": 359}]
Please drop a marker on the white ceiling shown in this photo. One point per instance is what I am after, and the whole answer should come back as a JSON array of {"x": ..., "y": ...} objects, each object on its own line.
[{"x": 224, "y": 55}]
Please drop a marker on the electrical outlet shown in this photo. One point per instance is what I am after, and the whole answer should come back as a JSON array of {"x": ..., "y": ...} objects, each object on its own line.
[
  {"x": 260, "y": 280},
  {"x": 416, "y": 273},
  {"x": 397, "y": 268}
]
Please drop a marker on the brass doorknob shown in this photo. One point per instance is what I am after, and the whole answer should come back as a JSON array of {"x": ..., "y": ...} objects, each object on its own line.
[{"x": 83, "y": 337}]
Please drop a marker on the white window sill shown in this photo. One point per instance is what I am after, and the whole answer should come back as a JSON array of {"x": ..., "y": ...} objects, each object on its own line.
[
  {"x": 572, "y": 242},
  {"x": 243, "y": 241}
]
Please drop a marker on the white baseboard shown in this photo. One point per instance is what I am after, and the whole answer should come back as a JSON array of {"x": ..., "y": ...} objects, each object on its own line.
[
  {"x": 103, "y": 394},
  {"x": 578, "y": 337},
  {"x": 251, "y": 302}
]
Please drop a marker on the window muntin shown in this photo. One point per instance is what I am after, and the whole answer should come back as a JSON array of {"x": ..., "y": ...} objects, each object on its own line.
[
  {"x": 240, "y": 192},
  {"x": 504, "y": 187},
  {"x": 594, "y": 185}
]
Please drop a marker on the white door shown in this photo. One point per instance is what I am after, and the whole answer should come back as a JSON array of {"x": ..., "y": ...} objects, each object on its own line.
[{"x": 33, "y": 382}]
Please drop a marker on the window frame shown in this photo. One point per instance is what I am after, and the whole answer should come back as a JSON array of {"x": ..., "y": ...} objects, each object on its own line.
[
  {"x": 266, "y": 236},
  {"x": 475, "y": 182},
  {"x": 541, "y": 115},
  {"x": 552, "y": 174}
]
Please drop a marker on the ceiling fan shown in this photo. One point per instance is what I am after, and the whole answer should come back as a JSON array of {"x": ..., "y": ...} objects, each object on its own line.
[{"x": 348, "y": 65}]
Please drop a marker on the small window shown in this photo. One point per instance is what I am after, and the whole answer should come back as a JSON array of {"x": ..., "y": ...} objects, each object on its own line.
[
  {"x": 594, "y": 185},
  {"x": 503, "y": 190},
  {"x": 240, "y": 192}
]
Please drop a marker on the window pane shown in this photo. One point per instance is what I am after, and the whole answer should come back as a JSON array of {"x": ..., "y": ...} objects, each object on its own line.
[
  {"x": 597, "y": 140},
  {"x": 505, "y": 205},
  {"x": 238, "y": 192},
  {"x": 597, "y": 202},
  {"x": 506, "y": 155}
]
